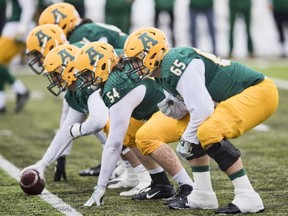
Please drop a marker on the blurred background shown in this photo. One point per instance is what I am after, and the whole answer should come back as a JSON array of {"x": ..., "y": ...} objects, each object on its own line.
[
  {"x": 263, "y": 27},
  {"x": 141, "y": 13}
]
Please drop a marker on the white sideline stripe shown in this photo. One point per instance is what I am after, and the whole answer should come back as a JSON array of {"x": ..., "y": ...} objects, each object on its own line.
[{"x": 50, "y": 198}]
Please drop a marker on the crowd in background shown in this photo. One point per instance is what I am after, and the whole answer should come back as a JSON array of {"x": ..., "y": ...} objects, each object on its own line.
[{"x": 225, "y": 27}]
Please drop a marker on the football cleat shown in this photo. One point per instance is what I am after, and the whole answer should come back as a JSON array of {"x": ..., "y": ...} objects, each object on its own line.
[
  {"x": 183, "y": 192},
  {"x": 128, "y": 179},
  {"x": 93, "y": 171},
  {"x": 197, "y": 199},
  {"x": 144, "y": 182},
  {"x": 245, "y": 201},
  {"x": 120, "y": 168},
  {"x": 179, "y": 204},
  {"x": 155, "y": 191},
  {"x": 3, "y": 110},
  {"x": 21, "y": 100}
]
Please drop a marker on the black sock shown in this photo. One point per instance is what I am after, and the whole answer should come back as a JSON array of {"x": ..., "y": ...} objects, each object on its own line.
[{"x": 160, "y": 178}]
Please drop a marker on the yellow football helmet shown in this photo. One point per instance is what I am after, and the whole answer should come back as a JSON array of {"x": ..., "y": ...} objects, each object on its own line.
[
  {"x": 59, "y": 67},
  {"x": 63, "y": 14},
  {"x": 95, "y": 61},
  {"x": 40, "y": 41},
  {"x": 146, "y": 47}
]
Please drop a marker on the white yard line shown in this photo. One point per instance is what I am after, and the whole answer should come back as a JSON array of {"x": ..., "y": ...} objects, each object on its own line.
[{"x": 50, "y": 198}]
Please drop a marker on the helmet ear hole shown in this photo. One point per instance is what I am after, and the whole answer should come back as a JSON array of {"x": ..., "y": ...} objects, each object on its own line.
[{"x": 103, "y": 66}]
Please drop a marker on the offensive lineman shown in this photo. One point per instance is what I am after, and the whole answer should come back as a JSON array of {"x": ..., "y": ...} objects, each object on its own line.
[{"x": 244, "y": 99}]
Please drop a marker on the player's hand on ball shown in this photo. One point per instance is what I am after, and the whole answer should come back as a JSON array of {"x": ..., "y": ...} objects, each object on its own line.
[
  {"x": 97, "y": 197},
  {"x": 40, "y": 167}
]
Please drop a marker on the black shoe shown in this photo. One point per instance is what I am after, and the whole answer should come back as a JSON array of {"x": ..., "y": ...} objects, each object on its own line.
[
  {"x": 179, "y": 204},
  {"x": 21, "y": 100},
  {"x": 3, "y": 110},
  {"x": 60, "y": 171},
  {"x": 157, "y": 191},
  {"x": 184, "y": 191},
  {"x": 231, "y": 209},
  {"x": 94, "y": 171}
]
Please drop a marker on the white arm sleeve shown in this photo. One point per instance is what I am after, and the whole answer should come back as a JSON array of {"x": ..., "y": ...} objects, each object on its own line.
[
  {"x": 98, "y": 115},
  {"x": 63, "y": 137},
  {"x": 197, "y": 99},
  {"x": 64, "y": 112},
  {"x": 27, "y": 13},
  {"x": 120, "y": 114}
]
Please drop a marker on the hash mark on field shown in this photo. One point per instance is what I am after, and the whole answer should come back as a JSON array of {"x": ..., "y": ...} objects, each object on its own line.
[{"x": 50, "y": 198}]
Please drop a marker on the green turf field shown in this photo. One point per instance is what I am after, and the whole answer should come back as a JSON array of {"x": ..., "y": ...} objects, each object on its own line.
[{"x": 24, "y": 138}]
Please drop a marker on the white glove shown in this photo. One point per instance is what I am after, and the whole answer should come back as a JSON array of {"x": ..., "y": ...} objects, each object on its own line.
[
  {"x": 97, "y": 197},
  {"x": 40, "y": 167},
  {"x": 75, "y": 130},
  {"x": 184, "y": 149},
  {"x": 171, "y": 108}
]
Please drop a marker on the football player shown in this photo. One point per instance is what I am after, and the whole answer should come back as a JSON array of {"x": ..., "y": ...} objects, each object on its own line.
[
  {"x": 138, "y": 100},
  {"x": 243, "y": 98},
  {"x": 87, "y": 114},
  {"x": 76, "y": 29},
  {"x": 12, "y": 43}
]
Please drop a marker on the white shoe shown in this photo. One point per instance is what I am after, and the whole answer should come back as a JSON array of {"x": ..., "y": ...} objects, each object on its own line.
[
  {"x": 202, "y": 199},
  {"x": 119, "y": 169},
  {"x": 144, "y": 182},
  {"x": 128, "y": 179},
  {"x": 248, "y": 201}
]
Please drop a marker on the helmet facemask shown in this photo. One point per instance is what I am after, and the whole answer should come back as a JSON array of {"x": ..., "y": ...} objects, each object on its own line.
[
  {"x": 57, "y": 84},
  {"x": 36, "y": 62},
  {"x": 137, "y": 71},
  {"x": 89, "y": 83}
]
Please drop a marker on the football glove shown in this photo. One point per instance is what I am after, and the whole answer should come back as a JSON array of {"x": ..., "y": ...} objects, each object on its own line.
[
  {"x": 40, "y": 167},
  {"x": 97, "y": 197},
  {"x": 184, "y": 149},
  {"x": 75, "y": 130},
  {"x": 173, "y": 109},
  {"x": 60, "y": 171}
]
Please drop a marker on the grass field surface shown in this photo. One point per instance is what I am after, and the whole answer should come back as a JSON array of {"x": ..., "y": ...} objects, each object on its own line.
[{"x": 24, "y": 137}]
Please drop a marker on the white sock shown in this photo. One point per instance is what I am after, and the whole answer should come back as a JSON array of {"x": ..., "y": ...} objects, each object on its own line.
[
  {"x": 242, "y": 183},
  {"x": 202, "y": 180},
  {"x": 2, "y": 99},
  {"x": 19, "y": 87},
  {"x": 182, "y": 177},
  {"x": 140, "y": 168}
]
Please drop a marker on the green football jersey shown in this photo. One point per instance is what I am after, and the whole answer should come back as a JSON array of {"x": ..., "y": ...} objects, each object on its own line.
[
  {"x": 77, "y": 100},
  {"x": 16, "y": 12},
  {"x": 95, "y": 31},
  {"x": 118, "y": 85},
  {"x": 223, "y": 78}
]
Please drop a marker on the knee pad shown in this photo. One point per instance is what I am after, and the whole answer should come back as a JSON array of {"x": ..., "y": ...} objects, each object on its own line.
[
  {"x": 197, "y": 151},
  {"x": 224, "y": 153}
]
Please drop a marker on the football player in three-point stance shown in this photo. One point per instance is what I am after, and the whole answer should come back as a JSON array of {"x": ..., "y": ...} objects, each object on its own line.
[
  {"x": 138, "y": 100},
  {"x": 243, "y": 97},
  {"x": 76, "y": 29},
  {"x": 40, "y": 41},
  {"x": 87, "y": 114}
]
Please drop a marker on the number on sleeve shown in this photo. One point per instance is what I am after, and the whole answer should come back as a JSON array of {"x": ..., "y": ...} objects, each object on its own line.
[
  {"x": 178, "y": 67},
  {"x": 112, "y": 95},
  {"x": 215, "y": 59}
]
